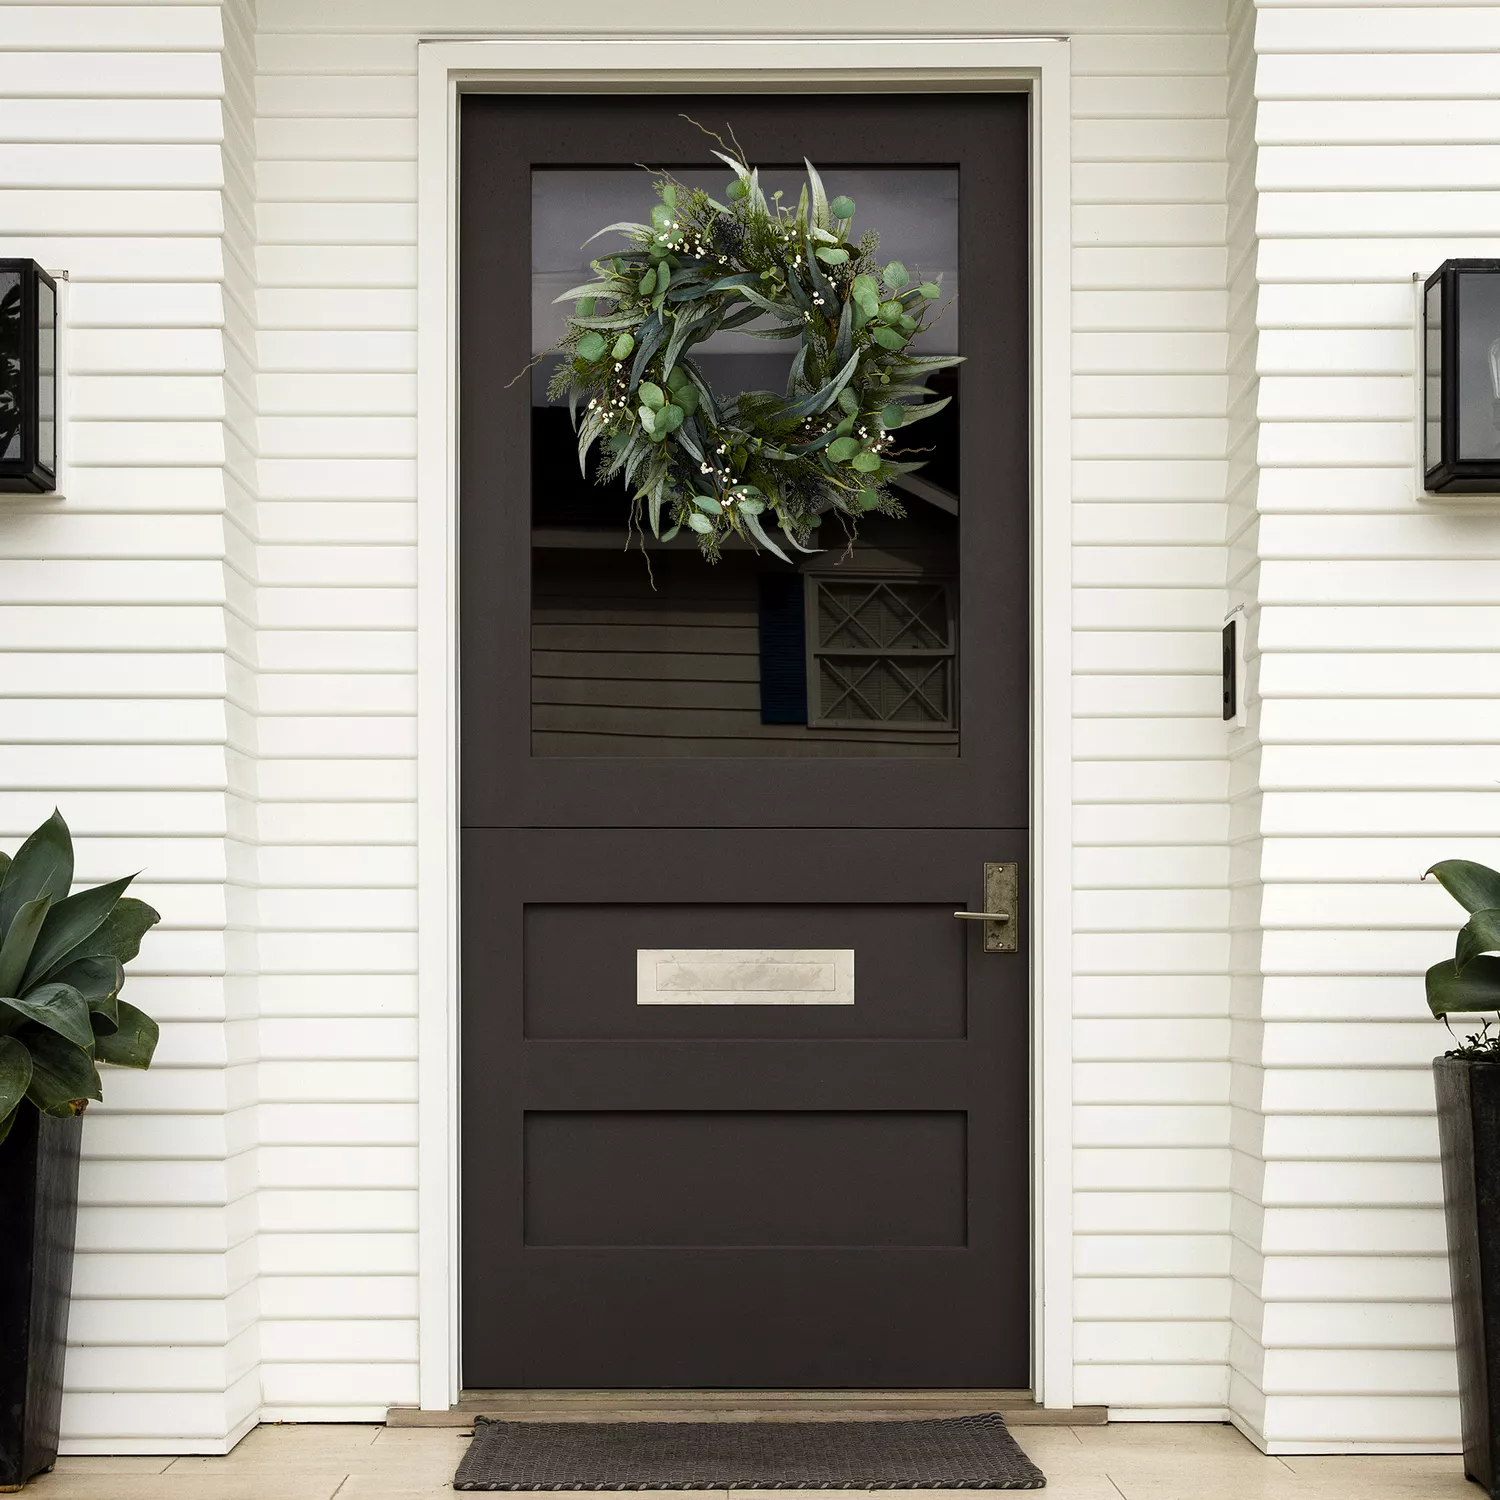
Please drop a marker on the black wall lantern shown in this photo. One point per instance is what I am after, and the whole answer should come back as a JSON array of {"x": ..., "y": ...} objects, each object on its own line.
[
  {"x": 1461, "y": 379},
  {"x": 28, "y": 378}
]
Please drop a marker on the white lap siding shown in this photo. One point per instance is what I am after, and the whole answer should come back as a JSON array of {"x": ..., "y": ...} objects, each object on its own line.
[
  {"x": 127, "y": 671},
  {"x": 1375, "y": 734}
]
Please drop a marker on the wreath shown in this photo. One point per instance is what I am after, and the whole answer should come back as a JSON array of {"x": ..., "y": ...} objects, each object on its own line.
[{"x": 734, "y": 466}]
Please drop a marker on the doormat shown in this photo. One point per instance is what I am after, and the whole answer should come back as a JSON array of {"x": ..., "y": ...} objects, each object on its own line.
[{"x": 948, "y": 1453}]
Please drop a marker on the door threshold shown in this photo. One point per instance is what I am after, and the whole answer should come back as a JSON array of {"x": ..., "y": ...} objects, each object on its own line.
[{"x": 1016, "y": 1406}]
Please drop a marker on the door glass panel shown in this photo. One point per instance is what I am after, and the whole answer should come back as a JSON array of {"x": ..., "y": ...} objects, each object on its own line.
[{"x": 643, "y": 648}]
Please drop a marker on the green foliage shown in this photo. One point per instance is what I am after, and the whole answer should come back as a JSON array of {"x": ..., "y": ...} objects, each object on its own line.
[
  {"x": 717, "y": 465},
  {"x": 62, "y": 961}
]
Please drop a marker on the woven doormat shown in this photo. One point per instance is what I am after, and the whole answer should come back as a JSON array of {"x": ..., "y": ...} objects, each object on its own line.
[{"x": 951, "y": 1453}]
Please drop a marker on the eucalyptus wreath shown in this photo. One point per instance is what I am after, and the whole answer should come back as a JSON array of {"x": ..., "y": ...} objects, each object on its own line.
[{"x": 731, "y": 466}]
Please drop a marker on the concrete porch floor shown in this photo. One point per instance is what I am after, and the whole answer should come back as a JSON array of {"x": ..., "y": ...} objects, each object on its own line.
[{"x": 1122, "y": 1462}]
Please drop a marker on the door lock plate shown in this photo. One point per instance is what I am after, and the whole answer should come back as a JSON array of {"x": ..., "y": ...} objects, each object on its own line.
[{"x": 1002, "y": 895}]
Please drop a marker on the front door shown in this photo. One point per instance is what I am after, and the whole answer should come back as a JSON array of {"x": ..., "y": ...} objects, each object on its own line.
[{"x": 743, "y": 1104}]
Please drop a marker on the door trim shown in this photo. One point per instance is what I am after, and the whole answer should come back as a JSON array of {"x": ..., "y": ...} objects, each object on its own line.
[{"x": 596, "y": 64}]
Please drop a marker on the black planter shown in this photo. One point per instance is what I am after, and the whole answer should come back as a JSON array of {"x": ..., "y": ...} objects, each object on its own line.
[
  {"x": 1468, "y": 1103},
  {"x": 38, "y": 1215}
]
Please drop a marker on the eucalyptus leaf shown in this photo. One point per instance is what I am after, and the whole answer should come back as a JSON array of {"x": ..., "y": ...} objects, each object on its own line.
[
  {"x": 652, "y": 395},
  {"x": 587, "y": 306},
  {"x": 819, "y": 195},
  {"x": 868, "y": 499},
  {"x": 625, "y": 227},
  {"x": 831, "y": 257},
  {"x": 841, "y": 207},
  {"x": 709, "y": 504},
  {"x": 647, "y": 284},
  {"x": 623, "y": 345},
  {"x": 591, "y": 347},
  {"x": 892, "y": 415},
  {"x": 931, "y": 290},
  {"x": 866, "y": 463},
  {"x": 752, "y": 525},
  {"x": 668, "y": 420},
  {"x": 700, "y": 524},
  {"x": 895, "y": 274},
  {"x": 841, "y": 450},
  {"x": 888, "y": 338},
  {"x": 848, "y": 401}
]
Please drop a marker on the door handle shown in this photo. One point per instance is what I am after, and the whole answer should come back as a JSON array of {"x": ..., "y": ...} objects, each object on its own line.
[{"x": 1001, "y": 894}]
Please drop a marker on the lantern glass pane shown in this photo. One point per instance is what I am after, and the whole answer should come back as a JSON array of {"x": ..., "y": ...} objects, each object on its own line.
[
  {"x": 1478, "y": 316},
  {"x": 1432, "y": 383},
  {"x": 10, "y": 364},
  {"x": 46, "y": 364}
]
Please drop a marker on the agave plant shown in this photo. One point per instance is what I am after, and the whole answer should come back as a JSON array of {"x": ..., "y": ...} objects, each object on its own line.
[
  {"x": 62, "y": 961},
  {"x": 1469, "y": 982}
]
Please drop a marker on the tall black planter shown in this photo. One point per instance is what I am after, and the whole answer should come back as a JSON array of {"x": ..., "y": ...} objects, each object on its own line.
[
  {"x": 38, "y": 1215},
  {"x": 1468, "y": 1102}
]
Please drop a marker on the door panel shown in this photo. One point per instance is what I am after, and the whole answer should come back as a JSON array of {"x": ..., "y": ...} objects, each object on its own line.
[
  {"x": 743, "y": 1105},
  {"x": 582, "y": 656}
]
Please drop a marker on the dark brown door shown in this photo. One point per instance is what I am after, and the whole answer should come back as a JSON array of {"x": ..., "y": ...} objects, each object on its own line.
[{"x": 743, "y": 1104}]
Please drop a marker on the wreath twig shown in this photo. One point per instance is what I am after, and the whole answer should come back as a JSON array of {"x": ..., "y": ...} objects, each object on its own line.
[{"x": 732, "y": 466}]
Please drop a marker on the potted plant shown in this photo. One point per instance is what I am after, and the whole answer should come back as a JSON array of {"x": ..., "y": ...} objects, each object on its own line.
[{"x": 62, "y": 960}]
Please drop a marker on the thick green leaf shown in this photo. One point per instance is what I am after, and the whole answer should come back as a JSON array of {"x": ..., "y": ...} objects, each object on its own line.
[
  {"x": 866, "y": 463},
  {"x": 134, "y": 1044},
  {"x": 647, "y": 284},
  {"x": 868, "y": 499},
  {"x": 708, "y": 503},
  {"x": 687, "y": 399},
  {"x": 735, "y": 190},
  {"x": 700, "y": 523},
  {"x": 1476, "y": 989},
  {"x": 69, "y": 922},
  {"x": 587, "y": 307},
  {"x": 648, "y": 420},
  {"x": 43, "y": 866},
  {"x": 841, "y": 450},
  {"x": 892, "y": 416},
  {"x": 931, "y": 290},
  {"x": 848, "y": 402},
  {"x": 96, "y": 979},
  {"x": 591, "y": 346},
  {"x": 831, "y": 257},
  {"x": 888, "y": 338},
  {"x": 652, "y": 396},
  {"x": 63, "y": 1077},
  {"x": 623, "y": 345},
  {"x": 118, "y": 936},
  {"x": 1473, "y": 886},
  {"x": 1480, "y": 934},
  {"x": 15, "y": 1073},
  {"x": 661, "y": 215},
  {"x": 20, "y": 940},
  {"x": 895, "y": 274},
  {"x": 842, "y": 207},
  {"x": 669, "y": 419},
  {"x": 663, "y": 276},
  {"x": 58, "y": 1007}
]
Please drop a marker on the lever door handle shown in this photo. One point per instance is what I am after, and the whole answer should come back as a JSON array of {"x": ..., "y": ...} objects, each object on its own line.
[{"x": 1001, "y": 900}]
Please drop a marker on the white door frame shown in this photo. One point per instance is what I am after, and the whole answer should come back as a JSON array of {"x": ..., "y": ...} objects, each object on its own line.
[{"x": 447, "y": 68}]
